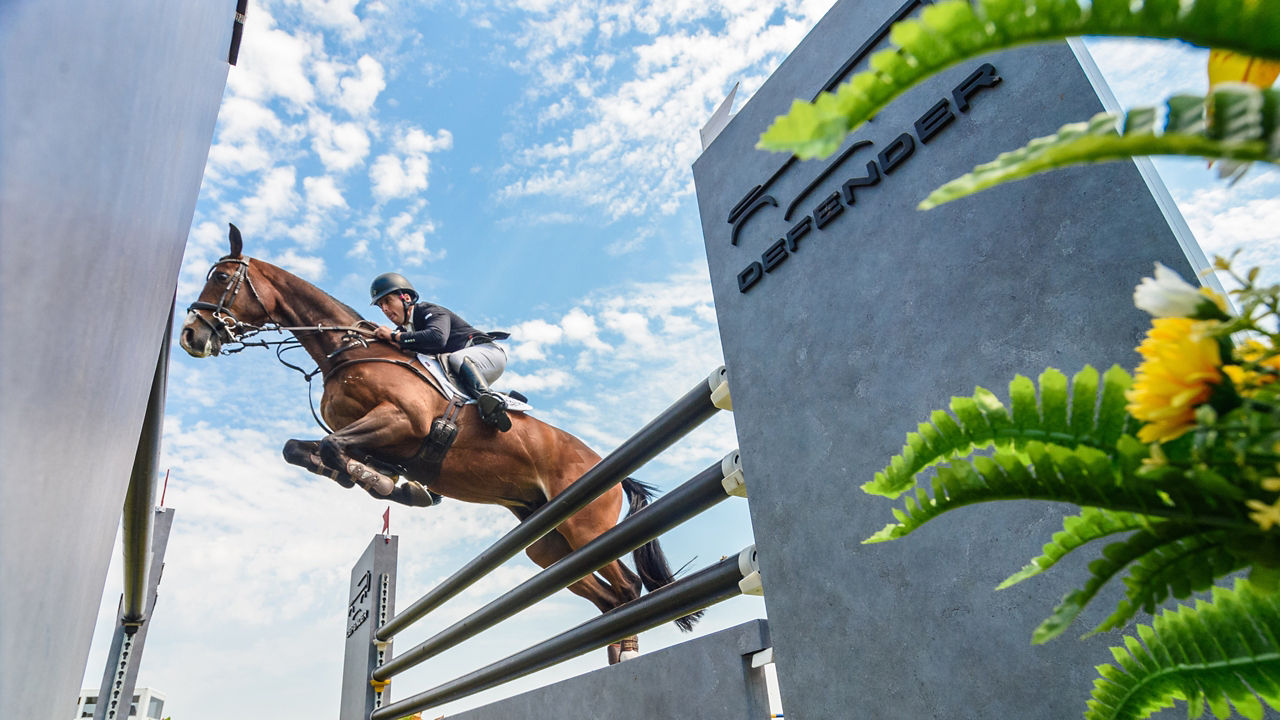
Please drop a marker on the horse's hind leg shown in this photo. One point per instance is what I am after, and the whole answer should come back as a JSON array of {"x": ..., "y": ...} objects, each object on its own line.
[
  {"x": 604, "y": 595},
  {"x": 306, "y": 454}
]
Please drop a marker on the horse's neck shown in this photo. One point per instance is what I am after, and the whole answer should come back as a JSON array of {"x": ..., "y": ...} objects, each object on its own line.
[{"x": 298, "y": 303}]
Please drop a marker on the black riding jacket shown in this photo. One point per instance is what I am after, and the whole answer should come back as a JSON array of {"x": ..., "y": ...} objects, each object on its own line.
[{"x": 435, "y": 329}]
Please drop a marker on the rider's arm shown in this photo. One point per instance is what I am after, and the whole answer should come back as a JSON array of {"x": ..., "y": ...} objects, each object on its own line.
[{"x": 431, "y": 333}]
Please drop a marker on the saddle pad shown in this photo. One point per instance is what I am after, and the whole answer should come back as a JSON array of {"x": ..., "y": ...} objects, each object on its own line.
[{"x": 433, "y": 366}]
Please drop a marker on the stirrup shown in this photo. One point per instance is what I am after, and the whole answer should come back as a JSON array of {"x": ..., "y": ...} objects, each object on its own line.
[{"x": 493, "y": 411}]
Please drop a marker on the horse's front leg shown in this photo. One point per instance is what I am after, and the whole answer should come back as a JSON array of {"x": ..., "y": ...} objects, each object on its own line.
[
  {"x": 384, "y": 426},
  {"x": 306, "y": 454}
]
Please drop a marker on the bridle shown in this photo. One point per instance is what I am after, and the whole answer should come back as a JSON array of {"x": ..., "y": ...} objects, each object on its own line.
[
  {"x": 221, "y": 320},
  {"x": 231, "y": 329}
]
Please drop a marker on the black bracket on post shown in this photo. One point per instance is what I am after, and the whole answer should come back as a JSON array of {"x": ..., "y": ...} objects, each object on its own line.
[{"x": 237, "y": 30}]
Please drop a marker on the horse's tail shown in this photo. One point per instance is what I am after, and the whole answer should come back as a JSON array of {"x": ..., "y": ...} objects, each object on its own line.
[{"x": 651, "y": 562}]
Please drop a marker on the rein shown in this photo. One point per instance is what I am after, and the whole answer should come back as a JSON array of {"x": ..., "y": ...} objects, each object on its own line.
[{"x": 231, "y": 330}]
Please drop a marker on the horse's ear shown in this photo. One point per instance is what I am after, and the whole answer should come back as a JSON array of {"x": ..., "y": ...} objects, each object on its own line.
[{"x": 237, "y": 244}]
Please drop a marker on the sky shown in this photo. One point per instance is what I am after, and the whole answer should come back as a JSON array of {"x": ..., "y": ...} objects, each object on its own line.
[{"x": 528, "y": 166}]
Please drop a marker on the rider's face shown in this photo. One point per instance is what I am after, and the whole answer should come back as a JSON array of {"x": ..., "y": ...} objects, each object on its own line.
[{"x": 393, "y": 307}]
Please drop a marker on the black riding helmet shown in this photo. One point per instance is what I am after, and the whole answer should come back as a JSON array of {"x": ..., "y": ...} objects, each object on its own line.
[{"x": 387, "y": 283}]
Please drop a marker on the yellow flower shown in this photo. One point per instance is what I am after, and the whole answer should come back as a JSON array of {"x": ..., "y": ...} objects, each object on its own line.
[
  {"x": 1227, "y": 66},
  {"x": 1258, "y": 367},
  {"x": 1265, "y": 515},
  {"x": 1180, "y": 365}
]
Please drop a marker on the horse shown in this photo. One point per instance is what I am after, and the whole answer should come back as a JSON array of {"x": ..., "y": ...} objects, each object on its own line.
[{"x": 381, "y": 408}]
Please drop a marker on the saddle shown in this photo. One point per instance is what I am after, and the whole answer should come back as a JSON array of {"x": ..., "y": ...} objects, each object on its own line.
[{"x": 438, "y": 367}]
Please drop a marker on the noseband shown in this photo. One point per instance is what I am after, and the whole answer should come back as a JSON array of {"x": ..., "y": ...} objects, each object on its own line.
[{"x": 224, "y": 323}]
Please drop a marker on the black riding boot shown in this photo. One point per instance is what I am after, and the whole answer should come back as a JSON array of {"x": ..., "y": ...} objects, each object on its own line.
[{"x": 493, "y": 408}]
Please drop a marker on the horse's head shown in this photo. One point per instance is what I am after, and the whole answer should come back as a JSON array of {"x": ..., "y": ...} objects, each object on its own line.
[{"x": 222, "y": 312}]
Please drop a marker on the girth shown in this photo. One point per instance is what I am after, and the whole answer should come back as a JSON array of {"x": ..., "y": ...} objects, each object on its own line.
[
  {"x": 444, "y": 430},
  {"x": 430, "y": 455}
]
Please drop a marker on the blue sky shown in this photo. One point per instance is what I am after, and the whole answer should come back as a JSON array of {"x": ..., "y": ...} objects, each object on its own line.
[{"x": 527, "y": 166}]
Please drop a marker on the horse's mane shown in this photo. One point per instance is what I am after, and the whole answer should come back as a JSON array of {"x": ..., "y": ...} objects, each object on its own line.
[
  {"x": 359, "y": 318},
  {"x": 344, "y": 305}
]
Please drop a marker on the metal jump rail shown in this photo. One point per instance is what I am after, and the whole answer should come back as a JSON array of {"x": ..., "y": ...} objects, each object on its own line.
[{"x": 728, "y": 578}]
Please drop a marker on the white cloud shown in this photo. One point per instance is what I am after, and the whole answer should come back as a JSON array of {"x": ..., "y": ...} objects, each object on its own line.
[
  {"x": 276, "y": 199},
  {"x": 1244, "y": 217},
  {"x": 273, "y": 63},
  {"x": 581, "y": 328},
  {"x": 353, "y": 88},
  {"x": 307, "y": 267},
  {"x": 412, "y": 249},
  {"x": 336, "y": 15},
  {"x": 407, "y": 234},
  {"x": 340, "y": 146},
  {"x": 403, "y": 173},
  {"x": 530, "y": 339},
  {"x": 359, "y": 92},
  {"x": 545, "y": 380},
  {"x": 631, "y": 119},
  {"x": 1145, "y": 72},
  {"x": 323, "y": 192},
  {"x": 248, "y": 137}
]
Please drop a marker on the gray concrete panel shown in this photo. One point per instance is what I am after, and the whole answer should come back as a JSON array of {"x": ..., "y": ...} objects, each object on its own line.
[
  {"x": 880, "y": 317},
  {"x": 107, "y": 110},
  {"x": 370, "y": 605},
  {"x": 709, "y": 678}
]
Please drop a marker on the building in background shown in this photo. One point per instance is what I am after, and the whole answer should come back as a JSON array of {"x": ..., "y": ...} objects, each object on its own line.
[{"x": 147, "y": 703}]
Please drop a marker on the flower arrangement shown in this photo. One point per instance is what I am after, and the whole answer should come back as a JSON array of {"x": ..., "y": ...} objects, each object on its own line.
[{"x": 1178, "y": 466}]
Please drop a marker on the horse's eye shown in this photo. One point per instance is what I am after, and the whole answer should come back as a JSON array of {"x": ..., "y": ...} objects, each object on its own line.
[{"x": 221, "y": 276}]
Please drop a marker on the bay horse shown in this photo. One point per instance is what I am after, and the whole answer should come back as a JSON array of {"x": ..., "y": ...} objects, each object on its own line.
[{"x": 380, "y": 407}]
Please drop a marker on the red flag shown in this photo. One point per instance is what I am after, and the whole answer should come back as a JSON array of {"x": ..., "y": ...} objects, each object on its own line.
[{"x": 386, "y": 521}]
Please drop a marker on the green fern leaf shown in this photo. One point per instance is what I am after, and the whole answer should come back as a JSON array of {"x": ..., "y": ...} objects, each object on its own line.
[
  {"x": 1222, "y": 652},
  {"x": 952, "y": 31},
  {"x": 1022, "y": 396},
  {"x": 1178, "y": 568},
  {"x": 1053, "y": 403},
  {"x": 1113, "y": 421},
  {"x": 1084, "y": 401},
  {"x": 1115, "y": 557},
  {"x": 1054, "y": 473},
  {"x": 1240, "y": 131},
  {"x": 982, "y": 420},
  {"x": 1077, "y": 530}
]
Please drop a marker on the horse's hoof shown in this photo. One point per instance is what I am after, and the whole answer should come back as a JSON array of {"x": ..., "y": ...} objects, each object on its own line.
[
  {"x": 626, "y": 655},
  {"x": 369, "y": 479}
]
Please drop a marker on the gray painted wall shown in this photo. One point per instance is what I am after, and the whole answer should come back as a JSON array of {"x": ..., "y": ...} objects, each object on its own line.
[
  {"x": 879, "y": 318},
  {"x": 107, "y": 110},
  {"x": 709, "y": 678}
]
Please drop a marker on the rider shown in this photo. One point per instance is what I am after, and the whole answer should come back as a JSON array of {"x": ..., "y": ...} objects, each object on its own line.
[{"x": 423, "y": 327}]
